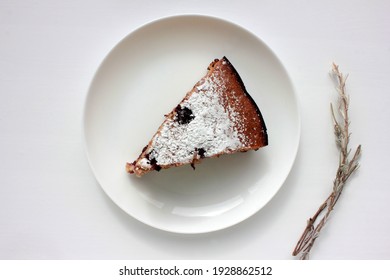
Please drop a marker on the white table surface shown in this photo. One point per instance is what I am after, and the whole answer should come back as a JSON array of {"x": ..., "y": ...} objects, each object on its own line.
[{"x": 51, "y": 206}]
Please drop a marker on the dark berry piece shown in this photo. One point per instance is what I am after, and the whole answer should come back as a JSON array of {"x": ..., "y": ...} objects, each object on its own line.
[
  {"x": 201, "y": 152},
  {"x": 183, "y": 115}
]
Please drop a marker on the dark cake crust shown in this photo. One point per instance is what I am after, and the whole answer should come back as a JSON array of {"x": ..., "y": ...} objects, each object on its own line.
[{"x": 262, "y": 126}]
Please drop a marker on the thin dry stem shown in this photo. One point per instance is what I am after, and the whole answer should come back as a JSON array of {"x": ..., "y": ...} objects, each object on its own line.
[{"x": 346, "y": 167}]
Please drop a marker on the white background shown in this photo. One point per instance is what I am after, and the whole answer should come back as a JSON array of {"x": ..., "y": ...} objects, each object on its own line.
[{"x": 51, "y": 206}]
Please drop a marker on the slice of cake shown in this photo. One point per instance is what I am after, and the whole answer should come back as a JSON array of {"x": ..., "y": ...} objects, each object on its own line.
[{"x": 216, "y": 117}]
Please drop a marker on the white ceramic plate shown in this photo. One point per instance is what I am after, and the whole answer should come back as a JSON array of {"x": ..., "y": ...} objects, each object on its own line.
[{"x": 144, "y": 77}]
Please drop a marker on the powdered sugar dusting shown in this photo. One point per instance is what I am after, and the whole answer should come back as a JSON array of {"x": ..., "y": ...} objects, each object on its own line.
[{"x": 214, "y": 127}]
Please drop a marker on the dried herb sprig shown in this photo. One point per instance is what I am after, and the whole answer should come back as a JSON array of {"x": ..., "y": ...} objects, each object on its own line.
[{"x": 346, "y": 167}]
